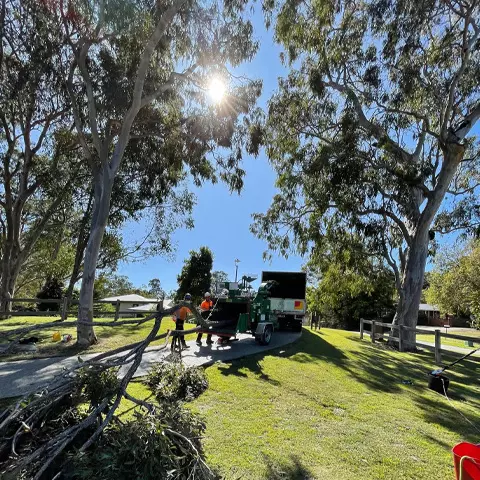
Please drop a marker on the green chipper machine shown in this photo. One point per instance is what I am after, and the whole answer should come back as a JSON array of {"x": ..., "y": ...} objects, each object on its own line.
[{"x": 240, "y": 309}]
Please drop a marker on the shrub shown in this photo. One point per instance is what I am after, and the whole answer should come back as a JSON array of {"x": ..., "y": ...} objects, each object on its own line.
[
  {"x": 164, "y": 445},
  {"x": 172, "y": 381},
  {"x": 53, "y": 289}
]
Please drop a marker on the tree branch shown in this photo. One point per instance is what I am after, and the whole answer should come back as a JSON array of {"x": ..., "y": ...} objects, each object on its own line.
[
  {"x": 92, "y": 107},
  {"x": 370, "y": 127},
  {"x": 76, "y": 115},
  {"x": 160, "y": 30},
  {"x": 384, "y": 212},
  {"x": 468, "y": 123},
  {"x": 467, "y": 46},
  {"x": 167, "y": 85}
]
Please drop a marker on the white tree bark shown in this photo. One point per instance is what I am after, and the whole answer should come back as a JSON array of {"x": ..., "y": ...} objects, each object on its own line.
[
  {"x": 103, "y": 191},
  {"x": 107, "y": 167}
]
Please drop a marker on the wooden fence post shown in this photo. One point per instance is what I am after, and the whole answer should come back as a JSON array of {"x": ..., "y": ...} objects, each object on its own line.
[
  {"x": 64, "y": 308},
  {"x": 438, "y": 347},
  {"x": 400, "y": 338},
  {"x": 361, "y": 328},
  {"x": 372, "y": 332},
  {"x": 117, "y": 309}
]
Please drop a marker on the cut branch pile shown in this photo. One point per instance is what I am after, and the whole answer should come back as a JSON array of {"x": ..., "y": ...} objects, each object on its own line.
[{"x": 38, "y": 430}]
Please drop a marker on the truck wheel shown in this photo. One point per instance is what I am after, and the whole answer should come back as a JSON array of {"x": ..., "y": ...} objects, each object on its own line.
[{"x": 266, "y": 336}]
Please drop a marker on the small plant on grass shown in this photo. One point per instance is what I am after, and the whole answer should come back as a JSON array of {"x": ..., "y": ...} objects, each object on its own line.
[{"x": 173, "y": 381}]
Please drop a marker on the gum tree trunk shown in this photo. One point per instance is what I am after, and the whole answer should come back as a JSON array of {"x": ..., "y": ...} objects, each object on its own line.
[
  {"x": 413, "y": 270},
  {"x": 101, "y": 207},
  {"x": 411, "y": 290}
]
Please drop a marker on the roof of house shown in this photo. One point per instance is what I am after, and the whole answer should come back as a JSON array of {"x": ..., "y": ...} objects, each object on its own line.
[
  {"x": 425, "y": 307},
  {"x": 133, "y": 297},
  {"x": 149, "y": 307}
]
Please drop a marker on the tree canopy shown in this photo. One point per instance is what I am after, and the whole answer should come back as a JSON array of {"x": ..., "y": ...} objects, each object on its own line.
[
  {"x": 196, "y": 275},
  {"x": 218, "y": 276},
  {"x": 137, "y": 75},
  {"x": 454, "y": 282},
  {"x": 347, "y": 284},
  {"x": 373, "y": 128},
  {"x": 37, "y": 151}
]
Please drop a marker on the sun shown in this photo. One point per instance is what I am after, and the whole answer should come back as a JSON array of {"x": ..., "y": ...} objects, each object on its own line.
[{"x": 216, "y": 90}]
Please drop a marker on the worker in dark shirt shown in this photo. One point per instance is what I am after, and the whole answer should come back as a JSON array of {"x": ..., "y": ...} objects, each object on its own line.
[
  {"x": 179, "y": 318},
  {"x": 205, "y": 307}
]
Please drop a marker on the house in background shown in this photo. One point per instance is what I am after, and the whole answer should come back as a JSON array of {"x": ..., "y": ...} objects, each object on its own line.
[
  {"x": 132, "y": 301},
  {"x": 151, "y": 307},
  {"x": 429, "y": 315}
]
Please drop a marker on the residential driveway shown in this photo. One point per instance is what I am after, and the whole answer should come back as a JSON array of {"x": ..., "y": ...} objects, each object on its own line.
[
  {"x": 449, "y": 348},
  {"x": 26, "y": 376}
]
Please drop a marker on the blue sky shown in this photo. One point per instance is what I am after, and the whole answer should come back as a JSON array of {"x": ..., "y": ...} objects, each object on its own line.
[{"x": 222, "y": 220}]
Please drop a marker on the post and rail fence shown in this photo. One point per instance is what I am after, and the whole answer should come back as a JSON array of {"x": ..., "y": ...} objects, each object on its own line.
[
  {"x": 376, "y": 335},
  {"x": 62, "y": 310}
]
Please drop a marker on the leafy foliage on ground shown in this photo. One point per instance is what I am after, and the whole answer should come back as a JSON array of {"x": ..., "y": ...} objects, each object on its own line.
[
  {"x": 173, "y": 380},
  {"x": 145, "y": 448},
  {"x": 159, "y": 440}
]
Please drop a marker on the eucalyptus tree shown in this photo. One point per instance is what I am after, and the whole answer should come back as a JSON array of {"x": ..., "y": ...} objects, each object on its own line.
[
  {"x": 372, "y": 132},
  {"x": 138, "y": 70}
]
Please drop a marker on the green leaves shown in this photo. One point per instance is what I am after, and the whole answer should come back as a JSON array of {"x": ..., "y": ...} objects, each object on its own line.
[
  {"x": 454, "y": 284},
  {"x": 356, "y": 130},
  {"x": 196, "y": 277}
]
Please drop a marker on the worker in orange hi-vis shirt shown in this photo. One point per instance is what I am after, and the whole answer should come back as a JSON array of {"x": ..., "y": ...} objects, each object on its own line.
[
  {"x": 179, "y": 318},
  {"x": 206, "y": 307}
]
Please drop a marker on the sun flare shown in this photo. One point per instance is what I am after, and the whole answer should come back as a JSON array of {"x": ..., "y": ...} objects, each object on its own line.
[{"x": 216, "y": 90}]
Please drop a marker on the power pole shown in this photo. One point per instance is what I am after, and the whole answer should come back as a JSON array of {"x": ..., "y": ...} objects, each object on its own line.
[{"x": 237, "y": 261}]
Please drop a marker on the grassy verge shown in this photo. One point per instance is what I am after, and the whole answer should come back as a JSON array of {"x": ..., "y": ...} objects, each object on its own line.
[
  {"x": 108, "y": 337},
  {"x": 333, "y": 407},
  {"x": 453, "y": 342}
]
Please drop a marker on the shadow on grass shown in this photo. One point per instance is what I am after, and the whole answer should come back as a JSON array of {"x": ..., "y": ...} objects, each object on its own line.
[
  {"x": 287, "y": 470},
  {"x": 435, "y": 409},
  {"x": 382, "y": 369},
  {"x": 251, "y": 364},
  {"x": 308, "y": 348}
]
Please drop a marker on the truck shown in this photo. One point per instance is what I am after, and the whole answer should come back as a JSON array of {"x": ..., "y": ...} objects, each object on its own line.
[
  {"x": 287, "y": 298},
  {"x": 279, "y": 302}
]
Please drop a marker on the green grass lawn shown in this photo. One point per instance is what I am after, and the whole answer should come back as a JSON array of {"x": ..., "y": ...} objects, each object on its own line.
[
  {"x": 108, "y": 337},
  {"x": 452, "y": 341},
  {"x": 333, "y": 407}
]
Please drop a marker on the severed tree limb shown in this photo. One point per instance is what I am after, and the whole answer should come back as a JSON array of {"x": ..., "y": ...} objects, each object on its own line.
[
  {"x": 142, "y": 403},
  {"x": 30, "y": 411},
  {"x": 124, "y": 383}
]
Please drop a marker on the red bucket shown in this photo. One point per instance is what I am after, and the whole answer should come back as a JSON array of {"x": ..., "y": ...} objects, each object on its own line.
[{"x": 471, "y": 466}]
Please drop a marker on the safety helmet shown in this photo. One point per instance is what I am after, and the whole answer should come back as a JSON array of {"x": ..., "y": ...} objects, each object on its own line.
[
  {"x": 207, "y": 294},
  {"x": 187, "y": 296}
]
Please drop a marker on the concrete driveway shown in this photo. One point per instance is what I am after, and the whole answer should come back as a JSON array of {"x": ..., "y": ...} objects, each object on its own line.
[{"x": 27, "y": 376}]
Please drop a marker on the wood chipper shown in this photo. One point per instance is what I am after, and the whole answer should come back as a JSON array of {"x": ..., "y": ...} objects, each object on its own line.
[{"x": 238, "y": 309}]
